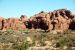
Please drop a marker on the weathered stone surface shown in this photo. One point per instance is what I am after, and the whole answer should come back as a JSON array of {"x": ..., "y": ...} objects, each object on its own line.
[
  {"x": 59, "y": 20},
  {"x": 1, "y": 23},
  {"x": 56, "y": 20},
  {"x": 13, "y": 23}
]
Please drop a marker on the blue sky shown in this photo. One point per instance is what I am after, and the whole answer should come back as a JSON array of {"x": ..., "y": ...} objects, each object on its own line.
[{"x": 15, "y": 8}]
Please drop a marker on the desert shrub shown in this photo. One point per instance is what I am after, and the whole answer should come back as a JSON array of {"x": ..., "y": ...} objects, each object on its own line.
[
  {"x": 24, "y": 46},
  {"x": 66, "y": 40}
]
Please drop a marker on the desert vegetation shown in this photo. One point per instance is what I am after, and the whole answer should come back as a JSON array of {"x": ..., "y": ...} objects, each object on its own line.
[{"x": 24, "y": 39}]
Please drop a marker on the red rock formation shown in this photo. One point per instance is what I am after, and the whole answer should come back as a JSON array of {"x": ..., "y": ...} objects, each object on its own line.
[
  {"x": 13, "y": 23},
  {"x": 56, "y": 20},
  {"x": 61, "y": 19},
  {"x": 1, "y": 23}
]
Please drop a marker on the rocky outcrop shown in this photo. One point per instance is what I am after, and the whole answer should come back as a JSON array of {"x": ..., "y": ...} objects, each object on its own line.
[
  {"x": 59, "y": 20},
  {"x": 56, "y": 20},
  {"x": 13, "y": 23}
]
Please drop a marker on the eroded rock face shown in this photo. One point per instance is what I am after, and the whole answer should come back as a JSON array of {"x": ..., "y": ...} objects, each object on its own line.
[
  {"x": 39, "y": 21},
  {"x": 13, "y": 23},
  {"x": 59, "y": 20},
  {"x": 1, "y": 23},
  {"x": 56, "y": 20}
]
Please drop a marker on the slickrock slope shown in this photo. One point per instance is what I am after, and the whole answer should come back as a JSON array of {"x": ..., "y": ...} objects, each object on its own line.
[{"x": 59, "y": 20}]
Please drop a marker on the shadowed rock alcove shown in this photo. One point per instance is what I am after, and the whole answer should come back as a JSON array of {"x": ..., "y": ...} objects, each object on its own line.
[{"x": 72, "y": 26}]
